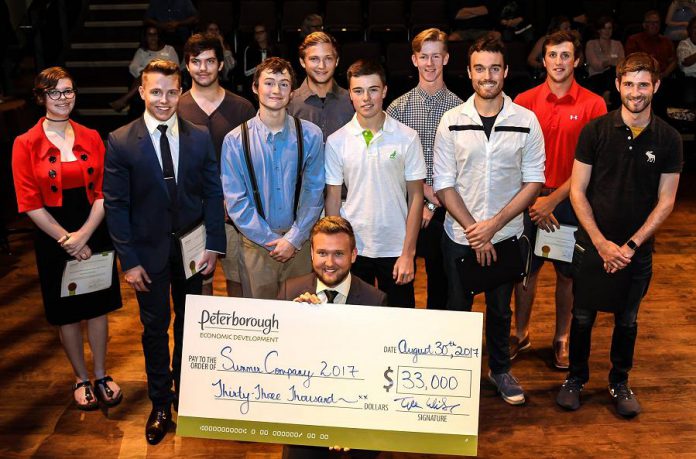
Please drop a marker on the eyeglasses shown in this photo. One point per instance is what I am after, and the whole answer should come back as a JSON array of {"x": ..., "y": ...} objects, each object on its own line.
[{"x": 54, "y": 94}]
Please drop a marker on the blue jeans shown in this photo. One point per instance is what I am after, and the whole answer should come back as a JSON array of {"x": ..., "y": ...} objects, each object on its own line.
[
  {"x": 623, "y": 340},
  {"x": 498, "y": 312}
]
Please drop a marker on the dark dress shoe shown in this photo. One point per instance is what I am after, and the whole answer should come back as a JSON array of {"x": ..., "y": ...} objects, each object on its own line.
[{"x": 157, "y": 425}]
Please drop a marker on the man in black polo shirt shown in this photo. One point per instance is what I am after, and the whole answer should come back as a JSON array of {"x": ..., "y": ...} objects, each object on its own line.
[
  {"x": 209, "y": 104},
  {"x": 623, "y": 186}
]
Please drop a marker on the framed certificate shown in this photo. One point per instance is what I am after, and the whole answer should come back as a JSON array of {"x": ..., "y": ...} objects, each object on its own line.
[{"x": 378, "y": 378}]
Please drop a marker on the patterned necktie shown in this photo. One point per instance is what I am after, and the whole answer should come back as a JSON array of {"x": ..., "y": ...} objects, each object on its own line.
[{"x": 330, "y": 295}]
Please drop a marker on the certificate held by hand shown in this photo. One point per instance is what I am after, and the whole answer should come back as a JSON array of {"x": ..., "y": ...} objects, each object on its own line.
[
  {"x": 87, "y": 276},
  {"x": 192, "y": 250},
  {"x": 557, "y": 245}
]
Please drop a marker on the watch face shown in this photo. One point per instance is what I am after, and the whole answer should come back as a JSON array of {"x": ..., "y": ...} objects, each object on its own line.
[{"x": 631, "y": 245}]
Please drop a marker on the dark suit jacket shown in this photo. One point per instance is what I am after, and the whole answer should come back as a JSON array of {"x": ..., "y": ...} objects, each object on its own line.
[
  {"x": 360, "y": 293},
  {"x": 137, "y": 202}
]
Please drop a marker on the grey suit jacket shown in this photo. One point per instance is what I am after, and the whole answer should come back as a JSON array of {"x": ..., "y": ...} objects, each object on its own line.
[{"x": 360, "y": 293}]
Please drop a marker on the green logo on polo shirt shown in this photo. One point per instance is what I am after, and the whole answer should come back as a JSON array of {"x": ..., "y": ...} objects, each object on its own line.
[
  {"x": 367, "y": 135},
  {"x": 393, "y": 155}
]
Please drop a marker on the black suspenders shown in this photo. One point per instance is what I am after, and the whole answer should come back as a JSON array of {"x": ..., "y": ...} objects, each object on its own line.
[{"x": 252, "y": 174}]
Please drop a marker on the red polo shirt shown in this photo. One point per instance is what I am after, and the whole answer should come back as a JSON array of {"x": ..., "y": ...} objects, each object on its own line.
[
  {"x": 37, "y": 171},
  {"x": 561, "y": 121}
]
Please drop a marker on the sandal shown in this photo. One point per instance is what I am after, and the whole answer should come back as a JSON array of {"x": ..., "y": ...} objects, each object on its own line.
[
  {"x": 105, "y": 394},
  {"x": 89, "y": 396}
]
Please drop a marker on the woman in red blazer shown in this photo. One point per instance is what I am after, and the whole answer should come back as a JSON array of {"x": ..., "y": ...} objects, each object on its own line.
[{"x": 58, "y": 167}]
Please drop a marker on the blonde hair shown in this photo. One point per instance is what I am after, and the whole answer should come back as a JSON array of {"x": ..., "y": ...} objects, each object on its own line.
[
  {"x": 432, "y": 34},
  {"x": 317, "y": 38}
]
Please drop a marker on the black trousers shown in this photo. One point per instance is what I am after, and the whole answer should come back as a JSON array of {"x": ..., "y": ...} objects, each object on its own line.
[
  {"x": 381, "y": 269},
  {"x": 430, "y": 248},
  {"x": 498, "y": 312},
  {"x": 155, "y": 315},
  {"x": 623, "y": 340}
]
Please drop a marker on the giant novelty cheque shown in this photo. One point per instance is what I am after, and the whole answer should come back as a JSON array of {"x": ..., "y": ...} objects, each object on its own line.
[{"x": 376, "y": 378}]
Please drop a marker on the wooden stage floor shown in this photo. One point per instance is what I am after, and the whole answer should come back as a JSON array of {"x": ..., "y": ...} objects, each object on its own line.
[{"x": 38, "y": 417}]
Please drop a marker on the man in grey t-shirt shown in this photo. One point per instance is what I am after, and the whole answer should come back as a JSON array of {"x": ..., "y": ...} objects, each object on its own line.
[{"x": 209, "y": 104}]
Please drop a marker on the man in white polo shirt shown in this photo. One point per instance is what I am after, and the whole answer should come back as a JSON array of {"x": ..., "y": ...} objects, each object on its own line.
[{"x": 381, "y": 163}]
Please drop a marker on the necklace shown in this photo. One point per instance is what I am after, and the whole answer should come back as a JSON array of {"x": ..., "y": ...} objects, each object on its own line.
[{"x": 57, "y": 121}]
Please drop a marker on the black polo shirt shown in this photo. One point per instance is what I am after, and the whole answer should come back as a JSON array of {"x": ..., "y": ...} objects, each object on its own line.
[
  {"x": 232, "y": 111},
  {"x": 625, "y": 172}
]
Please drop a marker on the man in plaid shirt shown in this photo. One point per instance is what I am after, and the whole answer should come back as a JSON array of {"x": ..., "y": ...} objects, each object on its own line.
[{"x": 421, "y": 109}]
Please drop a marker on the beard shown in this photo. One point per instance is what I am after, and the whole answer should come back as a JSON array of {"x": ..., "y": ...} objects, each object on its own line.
[
  {"x": 206, "y": 84},
  {"x": 637, "y": 104},
  {"x": 485, "y": 93},
  {"x": 331, "y": 282}
]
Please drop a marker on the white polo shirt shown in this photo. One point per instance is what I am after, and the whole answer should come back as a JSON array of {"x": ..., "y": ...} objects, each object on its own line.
[
  {"x": 376, "y": 177},
  {"x": 487, "y": 173}
]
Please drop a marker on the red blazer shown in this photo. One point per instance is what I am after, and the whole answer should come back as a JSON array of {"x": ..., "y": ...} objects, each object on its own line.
[{"x": 34, "y": 157}]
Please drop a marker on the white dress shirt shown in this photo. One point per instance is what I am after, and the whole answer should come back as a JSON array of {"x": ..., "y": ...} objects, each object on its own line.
[
  {"x": 487, "y": 173},
  {"x": 343, "y": 289},
  {"x": 172, "y": 134}
]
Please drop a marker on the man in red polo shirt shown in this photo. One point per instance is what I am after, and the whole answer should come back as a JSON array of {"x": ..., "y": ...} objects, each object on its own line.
[{"x": 563, "y": 108}]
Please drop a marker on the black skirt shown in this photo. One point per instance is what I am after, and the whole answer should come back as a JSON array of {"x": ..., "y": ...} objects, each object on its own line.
[{"x": 51, "y": 258}]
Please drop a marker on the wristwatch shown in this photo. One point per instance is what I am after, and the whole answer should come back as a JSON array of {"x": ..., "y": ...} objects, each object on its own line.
[
  {"x": 632, "y": 245},
  {"x": 430, "y": 206}
]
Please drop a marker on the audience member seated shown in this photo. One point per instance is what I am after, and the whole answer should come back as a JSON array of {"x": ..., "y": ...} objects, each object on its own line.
[
  {"x": 603, "y": 54},
  {"x": 536, "y": 55},
  {"x": 312, "y": 23},
  {"x": 686, "y": 53},
  {"x": 678, "y": 16},
  {"x": 176, "y": 19},
  {"x": 513, "y": 24},
  {"x": 255, "y": 53},
  {"x": 471, "y": 20},
  {"x": 151, "y": 48},
  {"x": 230, "y": 63},
  {"x": 650, "y": 41},
  {"x": 573, "y": 10}
]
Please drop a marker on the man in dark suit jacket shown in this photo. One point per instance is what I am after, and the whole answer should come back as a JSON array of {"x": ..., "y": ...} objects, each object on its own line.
[
  {"x": 161, "y": 178},
  {"x": 333, "y": 253}
]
